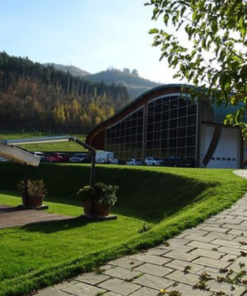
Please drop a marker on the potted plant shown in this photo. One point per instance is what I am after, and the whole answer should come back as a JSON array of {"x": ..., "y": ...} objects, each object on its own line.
[
  {"x": 97, "y": 200},
  {"x": 33, "y": 195}
]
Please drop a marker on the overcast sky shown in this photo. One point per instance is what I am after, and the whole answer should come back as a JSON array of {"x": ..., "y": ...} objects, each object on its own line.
[{"x": 93, "y": 35}]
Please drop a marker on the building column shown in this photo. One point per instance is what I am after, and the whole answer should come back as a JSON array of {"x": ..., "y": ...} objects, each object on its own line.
[{"x": 144, "y": 138}]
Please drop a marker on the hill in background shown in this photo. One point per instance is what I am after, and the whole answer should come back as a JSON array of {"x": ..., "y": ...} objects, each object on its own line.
[
  {"x": 75, "y": 71},
  {"x": 34, "y": 97},
  {"x": 134, "y": 84}
]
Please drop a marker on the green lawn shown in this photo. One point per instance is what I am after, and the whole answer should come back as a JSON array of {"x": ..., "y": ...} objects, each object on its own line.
[
  {"x": 63, "y": 146},
  {"x": 166, "y": 199}
]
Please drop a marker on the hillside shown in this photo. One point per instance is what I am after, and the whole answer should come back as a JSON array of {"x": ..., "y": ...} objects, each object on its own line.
[
  {"x": 134, "y": 84},
  {"x": 75, "y": 71},
  {"x": 38, "y": 98}
]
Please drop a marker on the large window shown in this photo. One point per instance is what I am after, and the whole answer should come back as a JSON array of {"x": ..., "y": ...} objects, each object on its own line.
[
  {"x": 171, "y": 127},
  {"x": 126, "y": 137},
  {"x": 170, "y": 130}
]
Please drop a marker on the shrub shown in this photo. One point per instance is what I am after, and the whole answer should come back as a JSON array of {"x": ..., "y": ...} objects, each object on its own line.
[{"x": 101, "y": 194}]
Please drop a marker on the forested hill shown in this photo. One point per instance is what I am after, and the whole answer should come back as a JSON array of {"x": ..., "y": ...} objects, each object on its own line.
[
  {"x": 135, "y": 84},
  {"x": 75, "y": 71},
  {"x": 35, "y": 97}
]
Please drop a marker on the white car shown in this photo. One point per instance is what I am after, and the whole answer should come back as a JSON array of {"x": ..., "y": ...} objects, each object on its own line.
[
  {"x": 153, "y": 161},
  {"x": 41, "y": 155},
  {"x": 134, "y": 161}
]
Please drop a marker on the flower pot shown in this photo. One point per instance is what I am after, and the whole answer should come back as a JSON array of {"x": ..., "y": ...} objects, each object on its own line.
[
  {"x": 99, "y": 209},
  {"x": 32, "y": 201}
]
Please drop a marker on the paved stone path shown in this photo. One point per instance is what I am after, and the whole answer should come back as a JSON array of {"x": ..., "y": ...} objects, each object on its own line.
[
  {"x": 14, "y": 216},
  {"x": 202, "y": 261}
]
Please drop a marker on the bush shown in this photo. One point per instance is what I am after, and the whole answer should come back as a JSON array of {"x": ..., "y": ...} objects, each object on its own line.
[{"x": 101, "y": 194}]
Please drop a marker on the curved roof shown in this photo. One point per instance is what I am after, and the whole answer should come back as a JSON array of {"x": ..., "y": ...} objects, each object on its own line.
[
  {"x": 96, "y": 136},
  {"x": 98, "y": 130}
]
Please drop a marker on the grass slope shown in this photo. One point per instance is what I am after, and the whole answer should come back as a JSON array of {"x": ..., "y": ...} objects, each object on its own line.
[{"x": 167, "y": 199}]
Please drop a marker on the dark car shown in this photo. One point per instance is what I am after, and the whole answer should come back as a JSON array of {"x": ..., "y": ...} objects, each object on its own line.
[
  {"x": 58, "y": 157},
  {"x": 178, "y": 161}
]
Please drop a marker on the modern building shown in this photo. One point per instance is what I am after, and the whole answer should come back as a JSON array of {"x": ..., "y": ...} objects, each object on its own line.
[{"x": 165, "y": 122}]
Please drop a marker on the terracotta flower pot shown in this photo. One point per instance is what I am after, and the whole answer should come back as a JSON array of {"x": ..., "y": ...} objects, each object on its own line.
[
  {"x": 32, "y": 201},
  {"x": 99, "y": 209}
]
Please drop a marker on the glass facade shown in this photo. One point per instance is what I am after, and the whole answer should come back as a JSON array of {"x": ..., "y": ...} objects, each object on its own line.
[
  {"x": 170, "y": 129},
  {"x": 126, "y": 137}
]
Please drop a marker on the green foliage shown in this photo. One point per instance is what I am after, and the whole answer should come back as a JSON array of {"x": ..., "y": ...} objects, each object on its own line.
[
  {"x": 101, "y": 193},
  {"x": 216, "y": 61}
]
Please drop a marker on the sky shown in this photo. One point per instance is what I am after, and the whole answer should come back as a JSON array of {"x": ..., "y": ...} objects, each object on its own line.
[{"x": 94, "y": 35}]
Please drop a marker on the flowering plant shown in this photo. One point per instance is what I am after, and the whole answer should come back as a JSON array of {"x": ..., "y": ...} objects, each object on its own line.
[{"x": 35, "y": 188}]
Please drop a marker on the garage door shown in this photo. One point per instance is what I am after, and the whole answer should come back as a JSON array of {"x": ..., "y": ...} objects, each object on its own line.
[{"x": 227, "y": 152}]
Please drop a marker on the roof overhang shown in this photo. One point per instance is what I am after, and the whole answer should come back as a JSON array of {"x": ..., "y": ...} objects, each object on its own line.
[
  {"x": 18, "y": 155},
  {"x": 9, "y": 151}
]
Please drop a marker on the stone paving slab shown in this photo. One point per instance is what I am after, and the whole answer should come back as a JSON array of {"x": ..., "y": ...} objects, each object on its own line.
[
  {"x": 185, "y": 278},
  {"x": 52, "y": 292},
  {"x": 154, "y": 282},
  {"x": 187, "y": 290},
  {"x": 206, "y": 253},
  {"x": 151, "y": 259},
  {"x": 83, "y": 289},
  {"x": 154, "y": 269},
  {"x": 182, "y": 265},
  {"x": 119, "y": 286},
  {"x": 144, "y": 291},
  {"x": 123, "y": 273},
  {"x": 92, "y": 278},
  {"x": 227, "y": 288}
]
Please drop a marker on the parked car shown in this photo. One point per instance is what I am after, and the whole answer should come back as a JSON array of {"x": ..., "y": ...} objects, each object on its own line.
[
  {"x": 120, "y": 161},
  {"x": 153, "y": 161},
  {"x": 80, "y": 158},
  {"x": 134, "y": 161},
  {"x": 58, "y": 157},
  {"x": 178, "y": 161},
  {"x": 41, "y": 155},
  {"x": 3, "y": 159}
]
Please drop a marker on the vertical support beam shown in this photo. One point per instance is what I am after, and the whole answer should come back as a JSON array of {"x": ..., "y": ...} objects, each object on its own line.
[
  {"x": 198, "y": 133},
  {"x": 92, "y": 172},
  {"x": 144, "y": 138},
  {"x": 241, "y": 150},
  {"x": 25, "y": 192}
]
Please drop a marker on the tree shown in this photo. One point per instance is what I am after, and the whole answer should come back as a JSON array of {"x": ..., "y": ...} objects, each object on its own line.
[
  {"x": 135, "y": 72},
  {"x": 126, "y": 71},
  {"x": 216, "y": 63}
]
